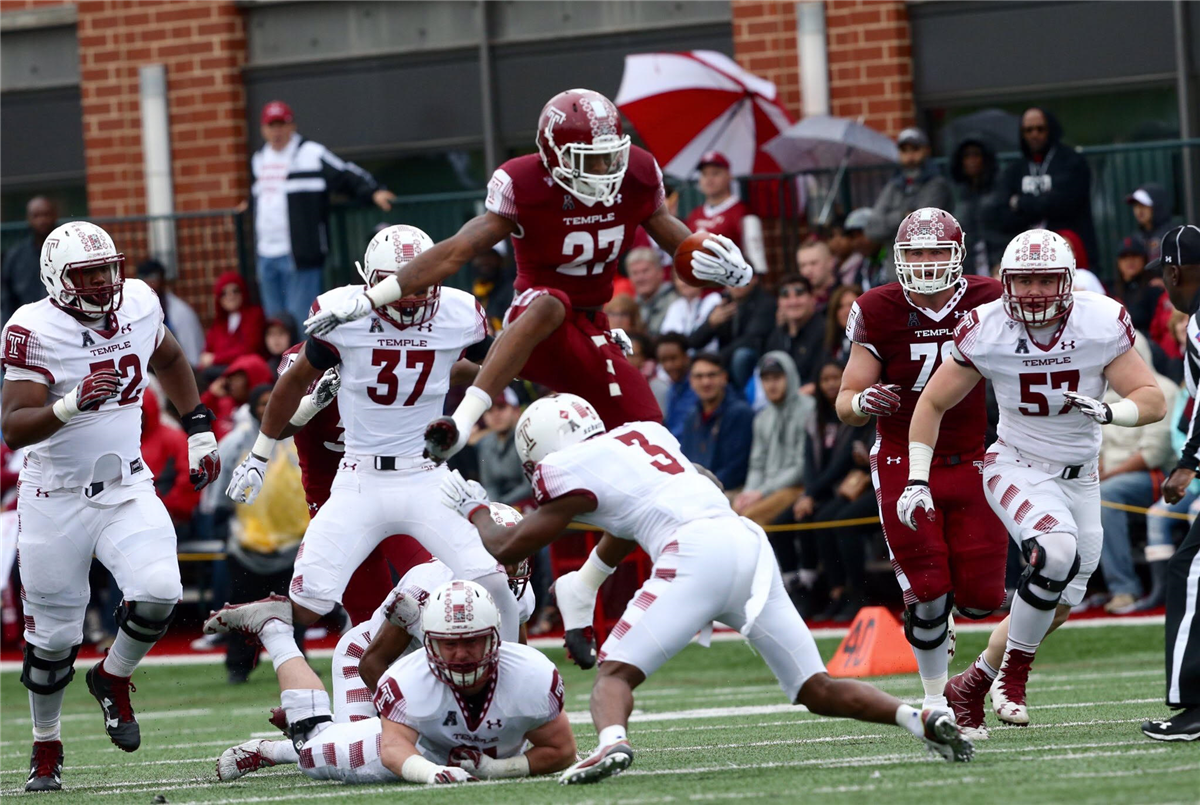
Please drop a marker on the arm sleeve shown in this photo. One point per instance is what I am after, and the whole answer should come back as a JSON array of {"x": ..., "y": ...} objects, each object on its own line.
[
  {"x": 320, "y": 354},
  {"x": 552, "y": 481}
]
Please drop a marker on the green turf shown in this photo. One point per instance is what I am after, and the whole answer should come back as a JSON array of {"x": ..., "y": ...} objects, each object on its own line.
[{"x": 1090, "y": 690}]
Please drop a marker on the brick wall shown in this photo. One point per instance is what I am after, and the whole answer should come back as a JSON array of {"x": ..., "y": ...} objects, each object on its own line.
[
  {"x": 764, "y": 42},
  {"x": 203, "y": 45}
]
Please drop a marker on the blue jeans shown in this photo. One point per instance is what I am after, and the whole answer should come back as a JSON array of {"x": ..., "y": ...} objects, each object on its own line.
[
  {"x": 1160, "y": 538},
  {"x": 741, "y": 366},
  {"x": 284, "y": 288},
  {"x": 1116, "y": 559}
]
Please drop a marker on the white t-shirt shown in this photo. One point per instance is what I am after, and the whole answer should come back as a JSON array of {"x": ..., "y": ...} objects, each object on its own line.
[
  {"x": 272, "y": 229},
  {"x": 685, "y": 315}
]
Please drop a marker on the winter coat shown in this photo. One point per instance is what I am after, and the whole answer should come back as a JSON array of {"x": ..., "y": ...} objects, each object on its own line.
[
  {"x": 780, "y": 432},
  {"x": 977, "y": 206},
  {"x": 751, "y": 321},
  {"x": 905, "y": 192},
  {"x": 721, "y": 440},
  {"x": 1161, "y": 224},
  {"x": 246, "y": 337},
  {"x": 806, "y": 348}
]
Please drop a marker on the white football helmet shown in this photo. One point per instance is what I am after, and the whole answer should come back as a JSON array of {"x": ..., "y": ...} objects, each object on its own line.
[
  {"x": 507, "y": 516},
  {"x": 460, "y": 610},
  {"x": 387, "y": 252},
  {"x": 551, "y": 424},
  {"x": 73, "y": 250},
  {"x": 1041, "y": 252}
]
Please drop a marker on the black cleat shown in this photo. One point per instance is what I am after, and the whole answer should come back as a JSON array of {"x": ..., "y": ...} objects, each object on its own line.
[
  {"x": 581, "y": 646},
  {"x": 113, "y": 694},
  {"x": 1181, "y": 726},
  {"x": 45, "y": 766}
]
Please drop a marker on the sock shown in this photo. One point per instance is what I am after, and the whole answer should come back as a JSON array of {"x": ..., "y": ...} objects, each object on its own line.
[
  {"x": 611, "y": 735},
  {"x": 933, "y": 664},
  {"x": 46, "y": 708},
  {"x": 280, "y": 752},
  {"x": 909, "y": 718},
  {"x": 124, "y": 655},
  {"x": 279, "y": 639},
  {"x": 983, "y": 665},
  {"x": 595, "y": 572},
  {"x": 1027, "y": 625},
  {"x": 302, "y": 704}
]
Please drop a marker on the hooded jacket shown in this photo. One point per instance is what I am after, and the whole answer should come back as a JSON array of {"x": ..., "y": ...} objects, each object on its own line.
[
  {"x": 1051, "y": 190},
  {"x": 165, "y": 451},
  {"x": 257, "y": 374},
  {"x": 1161, "y": 223},
  {"x": 780, "y": 432},
  {"x": 232, "y": 335},
  {"x": 977, "y": 206},
  {"x": 904, "y": 193}
]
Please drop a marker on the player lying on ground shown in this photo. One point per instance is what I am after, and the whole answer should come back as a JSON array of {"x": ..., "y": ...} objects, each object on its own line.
[
  {"x": 468, "y": 707},
  {"x": 1050, "y": 353},
  {"x": 709, "y": 564},
  {"x": 75, "y": 366},
  {"x": 396, "y": 368}
]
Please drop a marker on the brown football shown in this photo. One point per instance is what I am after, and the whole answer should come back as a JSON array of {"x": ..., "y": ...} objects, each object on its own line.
[{"x": 683, "y": 259}]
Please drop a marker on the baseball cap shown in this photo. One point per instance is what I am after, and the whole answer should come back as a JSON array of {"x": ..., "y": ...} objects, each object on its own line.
[
  {"x": 1180, "y": 247},
  {"x": 771, "y": 366},
  {"x": 1131, "y": 245},
  {"x": 1140, "y": 196},
  {"x": 857, "y": 219},
  {"x": 912, "y": 136},
  {"x": 276, "y": 112},
  {"x": 713, "y": 158}
]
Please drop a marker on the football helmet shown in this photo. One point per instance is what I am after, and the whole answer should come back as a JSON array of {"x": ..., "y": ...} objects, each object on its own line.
[
  {"x": 929, "y": 228},
  {"x": 387, "y": 252},
  {"x": 460, "y": 610},
  {"x": 552, "y": 423},
  {"x": 72, "y": 251},
  {"x": 1041, "y": 252},
  {"x": 507, "y": 516},
  {"x": 580, "y": 141}
]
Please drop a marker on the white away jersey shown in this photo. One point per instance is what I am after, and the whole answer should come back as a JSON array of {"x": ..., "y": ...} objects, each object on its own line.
[
  {"x": 527, "y": 693},
  {"x": 643, "y": 485},
  {"x": 1029, "y": 378},
  {"x": 44, "y": 344},
  {"x": 395, "y": 379}
]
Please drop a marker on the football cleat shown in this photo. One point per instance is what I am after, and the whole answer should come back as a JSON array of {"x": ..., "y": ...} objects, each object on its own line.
[
  {"x": 238, "y": 761},
  {"x": 249, "y": 619},
  {"x": 113, "y": 694},
  {"x": 45, "y": 766},
  {"x": 965, "y": 693},
  {"x": 944, "y": 739},
  {"x": 1008, "y": 691},
  {"x": 604, "y": 762},
  {"x": 581, "y": 646},
  {"x": 1181, "y": 726}
]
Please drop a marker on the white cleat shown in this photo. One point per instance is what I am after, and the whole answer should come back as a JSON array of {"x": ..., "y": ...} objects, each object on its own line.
[
  {"x": 944, "y": 739},
  {"x": 1008, "y": 690},
  {"x": 975, "y": 733},
  {"x": 250, "y": 618},
  {"x": 604, "y": 762},
  {"x": 238, "y": 761}
]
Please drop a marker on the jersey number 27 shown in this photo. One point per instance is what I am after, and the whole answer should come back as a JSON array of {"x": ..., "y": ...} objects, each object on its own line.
[{"x": 582, "y": 247}]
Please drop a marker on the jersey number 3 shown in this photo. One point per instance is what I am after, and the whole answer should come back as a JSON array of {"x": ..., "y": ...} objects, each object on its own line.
[
  {"x": 660, "y": 459},
  {"x": 388, "y": 385}
]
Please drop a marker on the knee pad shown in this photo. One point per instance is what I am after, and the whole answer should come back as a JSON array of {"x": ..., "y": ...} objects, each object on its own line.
[
  {"x": 146, "y": 621},
  {"x": 61, "y": 672},
  {"x": 939, "y": 622},
  {"x": 306, "y": 728},
  {"x": 973, "y": 614},
  {"x": 1052, "y": 562}
]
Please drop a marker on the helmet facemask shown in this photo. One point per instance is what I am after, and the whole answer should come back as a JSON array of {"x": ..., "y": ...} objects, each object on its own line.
[
  {"x": 1037, "y": 309},
  {"x": 929, "y": 277},
  {"x": 93, "y": 300},
  {"x": 518, "y": 577},
  {"x": 463, "y": 674},
  {"x": 592, "y": 172},
  {"x": 408, "y": 311}
]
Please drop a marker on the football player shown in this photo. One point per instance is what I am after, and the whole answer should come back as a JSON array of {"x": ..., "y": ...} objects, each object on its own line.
[
  {"x": 396, "y": 367},
  {"x": 635, "y": 483},
  {"x": 75, "y": 366},
  {"x": 1050, "y": 353},
  {"x": 900, "y": 334},
  {"x": 463, "y": 709}
]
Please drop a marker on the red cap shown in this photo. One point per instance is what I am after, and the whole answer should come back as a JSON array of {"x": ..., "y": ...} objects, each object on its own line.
[
  {"x": 714, "y": 158},
  {"x": 276, "y": 112}
]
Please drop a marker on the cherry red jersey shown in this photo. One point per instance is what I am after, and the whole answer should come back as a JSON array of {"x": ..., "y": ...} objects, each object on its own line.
[
  {"x": 911, "y": 342},
  {"x": 563, "y": 243},
  {"x": 319, "y": 445},
  {"x": 723, "y": 219}
]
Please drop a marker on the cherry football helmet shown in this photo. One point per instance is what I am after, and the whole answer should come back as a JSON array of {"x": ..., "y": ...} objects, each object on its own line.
[
  {"x": 507, "y": 516},
  {"x": 580, "y": 141},
  {"x": 70, "y": 251},
  {"x": 552, "y": 423},
  {"x": 929, "y": 228},
  {"x": 387, "y": 252},
  {"x": 461, "y": 610},
  {"x": 1038, "y": 251}
]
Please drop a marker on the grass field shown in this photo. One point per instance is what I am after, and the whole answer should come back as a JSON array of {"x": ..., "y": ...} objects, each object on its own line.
[{"x": 711, "y": 726}]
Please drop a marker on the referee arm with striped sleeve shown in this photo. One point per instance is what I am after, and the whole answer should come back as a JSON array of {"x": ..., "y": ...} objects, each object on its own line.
[{"x": 1180, "y": 266}]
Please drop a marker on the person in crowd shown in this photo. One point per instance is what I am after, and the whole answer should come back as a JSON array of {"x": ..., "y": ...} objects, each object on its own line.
[
  {"x": 280, "y": 336},
  {"x": 492, "y": 283},
  {"x": 1134, "y": 463},
  {"x": 642, "y": 358},
  {"x": 973, "y": 168},
  {"x": 653, "y": 293},
  {"x": 848, "y": 262},
  {"x": 180, "y": 318},
  {"x": 723, "y": 211},
  {"x": 871, "y": 270},
  {"x": 21, "y": 274},
  {"x": 917, "y": 184},
  {"x": 739, "y": 325},
  {"x": 1153, "y": 211},
  {"x": 690, "y": 309},
  {"x": 165, "y": 449},
  {"x": 237, "y": 327},
  {"x": 816, "y": 263},
  {"x": 718, "y": 432},
  {"x": 232, "y": 390},
  {"x": 624, "y": 314},
  {"x": 674, "y": 366},
  {"x": 800, "y": 331},
  {"x": 837, "y": 345},
  {"x": 1051, "y": 187},
  {"x": 292, "y": 179},
  {"x": 778, "y": 445},
  {"x": 1133, "y": 286},
  {"x": 499, "y": 465}
]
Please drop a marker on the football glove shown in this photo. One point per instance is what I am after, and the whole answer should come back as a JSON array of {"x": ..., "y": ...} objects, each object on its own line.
[
  {"x": 1091, "y": 408},
  {"x": 463, "y": 496},
  {"x": 92, "y": 392},
  {"x": 247, "y": 479},
  {"x": 621, "y": 339},
  {"x": 402, "y": 611},
  {"x": 443, "y": 439},
  {"x": 327, "y": 388},
  {"x": 204, "y": 462},
  {"x": 915, "y": 496},
  {"x": 881, "y": 399},
  {"x": 324, "y": 321},
  {"x": 721, "y": 262},
  {"x": 451, "y": 774}
]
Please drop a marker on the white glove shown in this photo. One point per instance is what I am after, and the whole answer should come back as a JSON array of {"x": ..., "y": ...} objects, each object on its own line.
[
  {"x": 576, "y": 602},
  {"x": 204, "y": 461},
  {"x": 621, "y": 339},
  {"x": 327, "y": 388},
  {"x": 724, "y": 266},
  {"x": 403, "y": 611},
  {"x": 323, "y": 321},
  {"x": 1091, "y": 408},
  {"x": 476, "y": 763},
  {"x": 463, "y": 496},
  {"x": 247, "y": 479},
  {"x": 915, "y": 496},
  {"x": 881, "y": 399},
  {"x": 451, "y": 774}
]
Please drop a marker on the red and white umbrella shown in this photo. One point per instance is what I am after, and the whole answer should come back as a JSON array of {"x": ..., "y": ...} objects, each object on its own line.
[{"x": 684, "y": 104}]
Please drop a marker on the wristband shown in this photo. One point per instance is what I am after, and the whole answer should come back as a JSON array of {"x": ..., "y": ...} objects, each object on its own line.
[
  {"x": 920, "y": 456},
  {"x": 305, "y": 411},
  {"x": 198, "y": 420},
  {"x": 264, "y": 445},
  {"x": 384, "y": 292},
  {"x": 67, "y": 408},
  {"x": 855, "y": 407},
  {"x": 1125, "y": 413},
  {"x": 594, "y": 572},
  {"x": 417, "y": 769},
  {"x": 491, "y": 768},
  {"x": 474, "y": 404}
]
